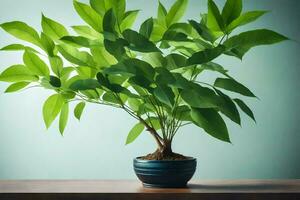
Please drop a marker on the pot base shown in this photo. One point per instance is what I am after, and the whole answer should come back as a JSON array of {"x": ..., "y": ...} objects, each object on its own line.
[{"x": 149, "y": 185}]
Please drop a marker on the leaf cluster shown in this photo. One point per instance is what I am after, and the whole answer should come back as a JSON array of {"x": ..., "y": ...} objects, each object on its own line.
[{"x": 152, "y": 73}]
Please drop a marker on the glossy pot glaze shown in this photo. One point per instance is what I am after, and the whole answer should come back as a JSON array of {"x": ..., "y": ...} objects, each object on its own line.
[{"x": 165, "y": 173}]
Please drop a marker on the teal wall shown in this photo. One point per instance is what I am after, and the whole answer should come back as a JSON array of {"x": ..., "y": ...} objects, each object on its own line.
[{"x": 94, "y": 148}]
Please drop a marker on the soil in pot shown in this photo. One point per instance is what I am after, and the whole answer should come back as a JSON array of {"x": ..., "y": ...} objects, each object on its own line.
[{"x": 158, "y": 155}]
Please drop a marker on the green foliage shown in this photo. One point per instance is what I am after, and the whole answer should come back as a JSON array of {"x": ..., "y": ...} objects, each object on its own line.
[
  {"x": 239, "y": 45},
  {"x": 146, "y": 28},
  {"x": 245, "y": 108},
  {"x": 234, "y": 86},
  {"x": 244, "y": 19},
  {"x": 63, "y": 118},
  {"x": 79, "y": 109},
  {"x": 151, "y": 73},
  {"x": 16, "y": 87},
  {"x": 17, "y": 73},
  {"x": 138, "y": 42},
  {"x": 215, "y": 21},
  {"x": 75, "y": 56},
  {"x": 35, "y": 64},
  {"x": 176, "y": 12},
  {"x": 89, "y": 15},
  {"x": 231, "y": 10},
  {"x": 17, "y": 47},
  {"x": 56, "y": 65},
  {"x": 211, "y": 122},
  {"x": 53, "y": 29},
  {"x": 52, "y": 108},
  {"x": 134, "y": 133},
  {"x": 22, "y": 31},
  {"x": 129, "y": 19}
]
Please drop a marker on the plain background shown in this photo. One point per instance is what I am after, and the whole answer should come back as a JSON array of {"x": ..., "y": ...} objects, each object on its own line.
[{"x": 94, "y": 148}]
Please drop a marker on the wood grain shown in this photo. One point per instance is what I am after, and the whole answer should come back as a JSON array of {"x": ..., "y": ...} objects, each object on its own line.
[{"x": 125, "y": 189}]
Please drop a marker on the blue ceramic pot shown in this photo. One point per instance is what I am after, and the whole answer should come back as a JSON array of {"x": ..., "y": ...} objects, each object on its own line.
[{"x": 165, "y": 173}]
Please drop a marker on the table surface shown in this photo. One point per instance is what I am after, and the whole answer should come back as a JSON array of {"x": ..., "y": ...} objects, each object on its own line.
[{"x": 131, "y": 186}]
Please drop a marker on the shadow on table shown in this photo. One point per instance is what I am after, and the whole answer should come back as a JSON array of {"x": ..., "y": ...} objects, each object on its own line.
[{"x": 259, "y": 186}]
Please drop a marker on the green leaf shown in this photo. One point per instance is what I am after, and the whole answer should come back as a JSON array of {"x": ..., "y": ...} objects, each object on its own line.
[
  {"x": 116, "y": 48},
  {"x": 17, "y": 73},
  {"x": 81, "y": 41},
  {"x": 203, "y": 31},
  {"x": 99, "y": 6},
  {"x": 22, "y": 31},
  {"x": 119, "y": 7},
  {"x": 114, "y": 87},
  {"x": 234, "y": 86},
  {"x": 51, "y": 108},
  {"x": 200, "y": 97},
  {"x": 228, "y": 108},
  {"x": 87, "y": 32},
  {"x": 214, "y": 18},
  {"x": 16, "y": 87},
  {"x": 214, "y": 67},
  {"x": 79, "y": 109},
  {"x": 91, "y": 94},
  {"x": 245, "y": 108},
  {"x": 56, "y": 64},
  {"x": 153, "y": 121},
  {"x": 211, "y": 122},
  {"x": 129, "y": 19},
  {"x": 17, "y": 47},
  {"x": 134, "y": 104},
  {"x": 245, "y": 19},
  {"x": 13, "y": 47},
  {"x": 182, "y": 83},
  {"x": 75, "y": 56},
  {"x": 138, "y": 42},
  {"x": 110, "y": 97},
  {"x": 48, "y": 44},
  {"x": 231, "y": 10},
  {"x": 140, "y": 81},
  {"x": 176, "y": 12},
  {"x": 242, "y": 43},
  {"x": 206, "y": 55},
  {"x": 63, "y": 118},
  {"x": 102, "y": 6},
  {"x": 66, "y": 72},
  {"x": 164, "y": 94},
  {"x": 155, "y": 59},
  {"x": 164, "y": 77},
  {"x": 159, "y": 28},
  {"x": 53, "y": 29},
  {"x": 182, "y": 27},
  {"x": 175, "y": 36},
  {"x": 109, "y": 21},
  {"x": 146, "y": 28},
  {"x": 55, "y": 82},
  {"x": 161, "y": 12},
  {"x": 35, "y": 64},
  {"x": 175, "y": 61},
  {"x": 132, "y": 67},
  {"x": 89, "y": 15},
  {"x": 102, "y": 57},
  {"x": 86, "y": 72},
  {"x": 134, "y": 133},
  {"x": 85, "y": 84}
]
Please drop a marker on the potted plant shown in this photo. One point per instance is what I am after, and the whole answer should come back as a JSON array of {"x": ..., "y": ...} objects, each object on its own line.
[{"x": 152, "y": 74}]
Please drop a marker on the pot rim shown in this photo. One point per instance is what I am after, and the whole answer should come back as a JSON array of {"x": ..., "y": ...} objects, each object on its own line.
[{"x": 188, "y": 158}]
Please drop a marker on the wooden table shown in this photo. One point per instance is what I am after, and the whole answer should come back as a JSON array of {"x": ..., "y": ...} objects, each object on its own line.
[{"x": 133, "y": 190}]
